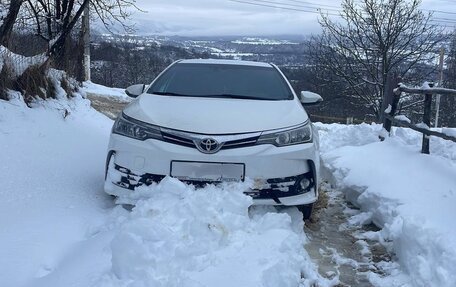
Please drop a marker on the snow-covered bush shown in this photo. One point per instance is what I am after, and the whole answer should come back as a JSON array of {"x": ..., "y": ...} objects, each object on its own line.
[
  {"x": 6, "y": 79},
  {"x": 32, "y": 77}
]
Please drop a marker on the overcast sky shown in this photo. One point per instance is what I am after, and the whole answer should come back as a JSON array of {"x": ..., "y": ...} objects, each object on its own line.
[{"x": 228, "y": 17}]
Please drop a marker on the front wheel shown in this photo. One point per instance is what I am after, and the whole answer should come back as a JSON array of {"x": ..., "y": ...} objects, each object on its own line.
[{"x": 306, "y": 210}]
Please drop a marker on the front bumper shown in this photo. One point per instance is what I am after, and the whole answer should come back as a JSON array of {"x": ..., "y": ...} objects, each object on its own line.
[{"x": 276, "y": 172}]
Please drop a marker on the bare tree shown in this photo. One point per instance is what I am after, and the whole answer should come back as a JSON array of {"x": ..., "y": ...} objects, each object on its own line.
[
  {"x": 450, "y": 73},
  {"x": 54, "y": 23},
  {"x": 373, "y": 39},
  {"x": 54, "y": 20},
  {"x": 8, "y": 20},
  {"x": 448, "y": 103}
]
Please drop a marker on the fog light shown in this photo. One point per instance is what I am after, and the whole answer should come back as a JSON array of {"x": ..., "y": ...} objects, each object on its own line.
[{"x": 304, "y": 183}]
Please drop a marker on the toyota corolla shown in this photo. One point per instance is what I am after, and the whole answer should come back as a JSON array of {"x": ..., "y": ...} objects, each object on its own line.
[{"x": 210, "y": 121}]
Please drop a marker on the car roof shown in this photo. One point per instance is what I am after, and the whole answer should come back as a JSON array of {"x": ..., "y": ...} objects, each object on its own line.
[{"x": 225, "y": 62}]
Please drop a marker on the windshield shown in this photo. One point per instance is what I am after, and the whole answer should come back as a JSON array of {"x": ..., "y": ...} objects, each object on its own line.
[{"x": 224, "y": 81}]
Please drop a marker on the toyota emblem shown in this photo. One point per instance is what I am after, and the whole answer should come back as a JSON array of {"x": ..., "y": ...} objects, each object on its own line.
[{"x": 208, "y": 145}]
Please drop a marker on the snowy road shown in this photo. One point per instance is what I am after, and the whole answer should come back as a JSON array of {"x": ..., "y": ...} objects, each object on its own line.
[
  {"x": 109, "y": 106},
  {"x": 332, "y": 244}
]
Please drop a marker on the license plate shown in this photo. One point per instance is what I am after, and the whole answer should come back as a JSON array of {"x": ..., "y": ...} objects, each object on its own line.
[{"x": 207, "y": 171}]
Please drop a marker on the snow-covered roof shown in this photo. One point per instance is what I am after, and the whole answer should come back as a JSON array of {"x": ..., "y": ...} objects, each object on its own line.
[{"x": 225, "y": 62}]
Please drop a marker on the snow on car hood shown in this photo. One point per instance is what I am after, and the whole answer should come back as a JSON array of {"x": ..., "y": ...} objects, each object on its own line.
[{"x": 215, "y": 115}]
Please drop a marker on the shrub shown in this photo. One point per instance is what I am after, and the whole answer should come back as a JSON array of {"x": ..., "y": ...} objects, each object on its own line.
[{"x": 6, "y": 80}]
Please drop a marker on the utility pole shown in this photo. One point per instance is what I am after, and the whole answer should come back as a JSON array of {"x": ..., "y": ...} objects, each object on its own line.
[
  {"x": 86, "y": 41},
  {"x": 437, "y": 102}
]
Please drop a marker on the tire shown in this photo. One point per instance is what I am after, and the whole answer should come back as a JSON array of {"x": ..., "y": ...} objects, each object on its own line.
[{"x": 306, "y": 210}]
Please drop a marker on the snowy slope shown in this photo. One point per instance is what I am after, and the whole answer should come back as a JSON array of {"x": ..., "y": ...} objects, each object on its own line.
[
  {"x": 51, "y": 184},
  {"x": 411, "y": 195},
  {"x": 58, "y": 228}
]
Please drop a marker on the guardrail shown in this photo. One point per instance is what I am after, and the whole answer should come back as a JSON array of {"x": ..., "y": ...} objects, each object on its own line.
[{"x": 428, "y": 91}]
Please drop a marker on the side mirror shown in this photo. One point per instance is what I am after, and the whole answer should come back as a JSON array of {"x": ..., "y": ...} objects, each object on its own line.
[
  {"x": 310, "y": 98},
  {"x": 135, "y": 90}
]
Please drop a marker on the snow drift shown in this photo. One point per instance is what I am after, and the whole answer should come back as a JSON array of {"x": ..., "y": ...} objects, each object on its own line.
[
  {"x": 410, "y": 195},
  {"x": 182, "y": 236}
]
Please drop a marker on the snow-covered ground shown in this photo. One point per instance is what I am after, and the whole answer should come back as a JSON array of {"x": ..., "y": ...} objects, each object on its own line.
[
  {"x": 51, "y": 186},
  {"x": 410, "y": 195},
  {"x": 99, "y": 90},
  {"x": 58, "y": 228}
]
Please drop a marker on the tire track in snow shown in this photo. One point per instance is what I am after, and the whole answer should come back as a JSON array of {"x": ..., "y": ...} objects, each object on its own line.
[{"x": 335, "y": 244}]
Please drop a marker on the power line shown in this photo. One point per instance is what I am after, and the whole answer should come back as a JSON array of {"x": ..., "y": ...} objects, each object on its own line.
[
  {"x": 444, "y": 22},
  {"x": 294, "y": 5},
  {"x": 338, "y": 7},
  {"x": 278, "y": 7},
  {"x": 334, "y": 8},
  {"x": 438, "y": 11},
  {"x": 444, "y": 19},
  {"x": 441, "y": 22},
  {"x": 314, "y": 4}
]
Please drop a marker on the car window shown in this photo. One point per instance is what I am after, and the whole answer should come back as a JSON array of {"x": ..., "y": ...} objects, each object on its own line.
[{"x": 225, "y": 81}]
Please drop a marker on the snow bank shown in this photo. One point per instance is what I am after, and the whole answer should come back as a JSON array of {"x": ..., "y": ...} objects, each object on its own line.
[
  {"x": 336, "y": 135},
  {"x": 100, "y": 90},
  {"x": 410, "y": 195},
  {"x": 449, "y": 131},
  {"x": 182, "y": 236},
  {"x": 51, "y": 185}
]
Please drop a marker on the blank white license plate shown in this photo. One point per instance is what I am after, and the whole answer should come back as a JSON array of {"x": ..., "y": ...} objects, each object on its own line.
[{"x": 207, "y": 171}]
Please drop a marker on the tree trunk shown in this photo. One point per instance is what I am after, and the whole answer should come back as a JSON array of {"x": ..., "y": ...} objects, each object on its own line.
[
  {"x": 86, "y": 41},
  {"x": 58, "y": 44},
  {"x": 7, "y": 26}
]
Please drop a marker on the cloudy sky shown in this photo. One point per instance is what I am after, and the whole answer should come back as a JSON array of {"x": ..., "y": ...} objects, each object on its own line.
[{"x": 240, "y": 17}]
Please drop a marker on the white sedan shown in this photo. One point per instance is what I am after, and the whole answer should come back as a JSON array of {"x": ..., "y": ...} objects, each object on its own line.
[{"x": 209, "y": 121}]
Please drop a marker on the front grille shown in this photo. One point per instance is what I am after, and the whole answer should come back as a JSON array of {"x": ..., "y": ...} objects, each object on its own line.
[
  {"x": 240, "y": 143},
  {"x": 179, "y": 140},
  {"x": 226, "y": 141}
]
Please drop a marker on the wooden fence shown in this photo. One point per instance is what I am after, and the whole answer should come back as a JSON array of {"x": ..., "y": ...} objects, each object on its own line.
[{"x": 428, "y": 92}]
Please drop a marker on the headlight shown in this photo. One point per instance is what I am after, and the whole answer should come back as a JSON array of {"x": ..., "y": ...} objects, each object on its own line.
[
  {"x": 302, "y": 134},
  {"x": 129, "y": 127}
]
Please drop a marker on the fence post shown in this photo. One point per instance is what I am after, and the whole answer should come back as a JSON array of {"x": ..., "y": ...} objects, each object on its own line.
[
  {"x": 395, "y": 97},
  {"x": 427, "y": 119},
  {"x": 387, "y": 96}
]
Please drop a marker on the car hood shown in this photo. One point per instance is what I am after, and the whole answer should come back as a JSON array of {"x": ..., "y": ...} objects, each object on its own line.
[{"x": 215, "y": 115}]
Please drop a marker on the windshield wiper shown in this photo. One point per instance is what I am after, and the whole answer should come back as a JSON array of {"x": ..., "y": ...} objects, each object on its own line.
[
  {"x": 226, "y": 96},
  {"x": 169, "y": 94},
  {"x": 234, "y": 96}
]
